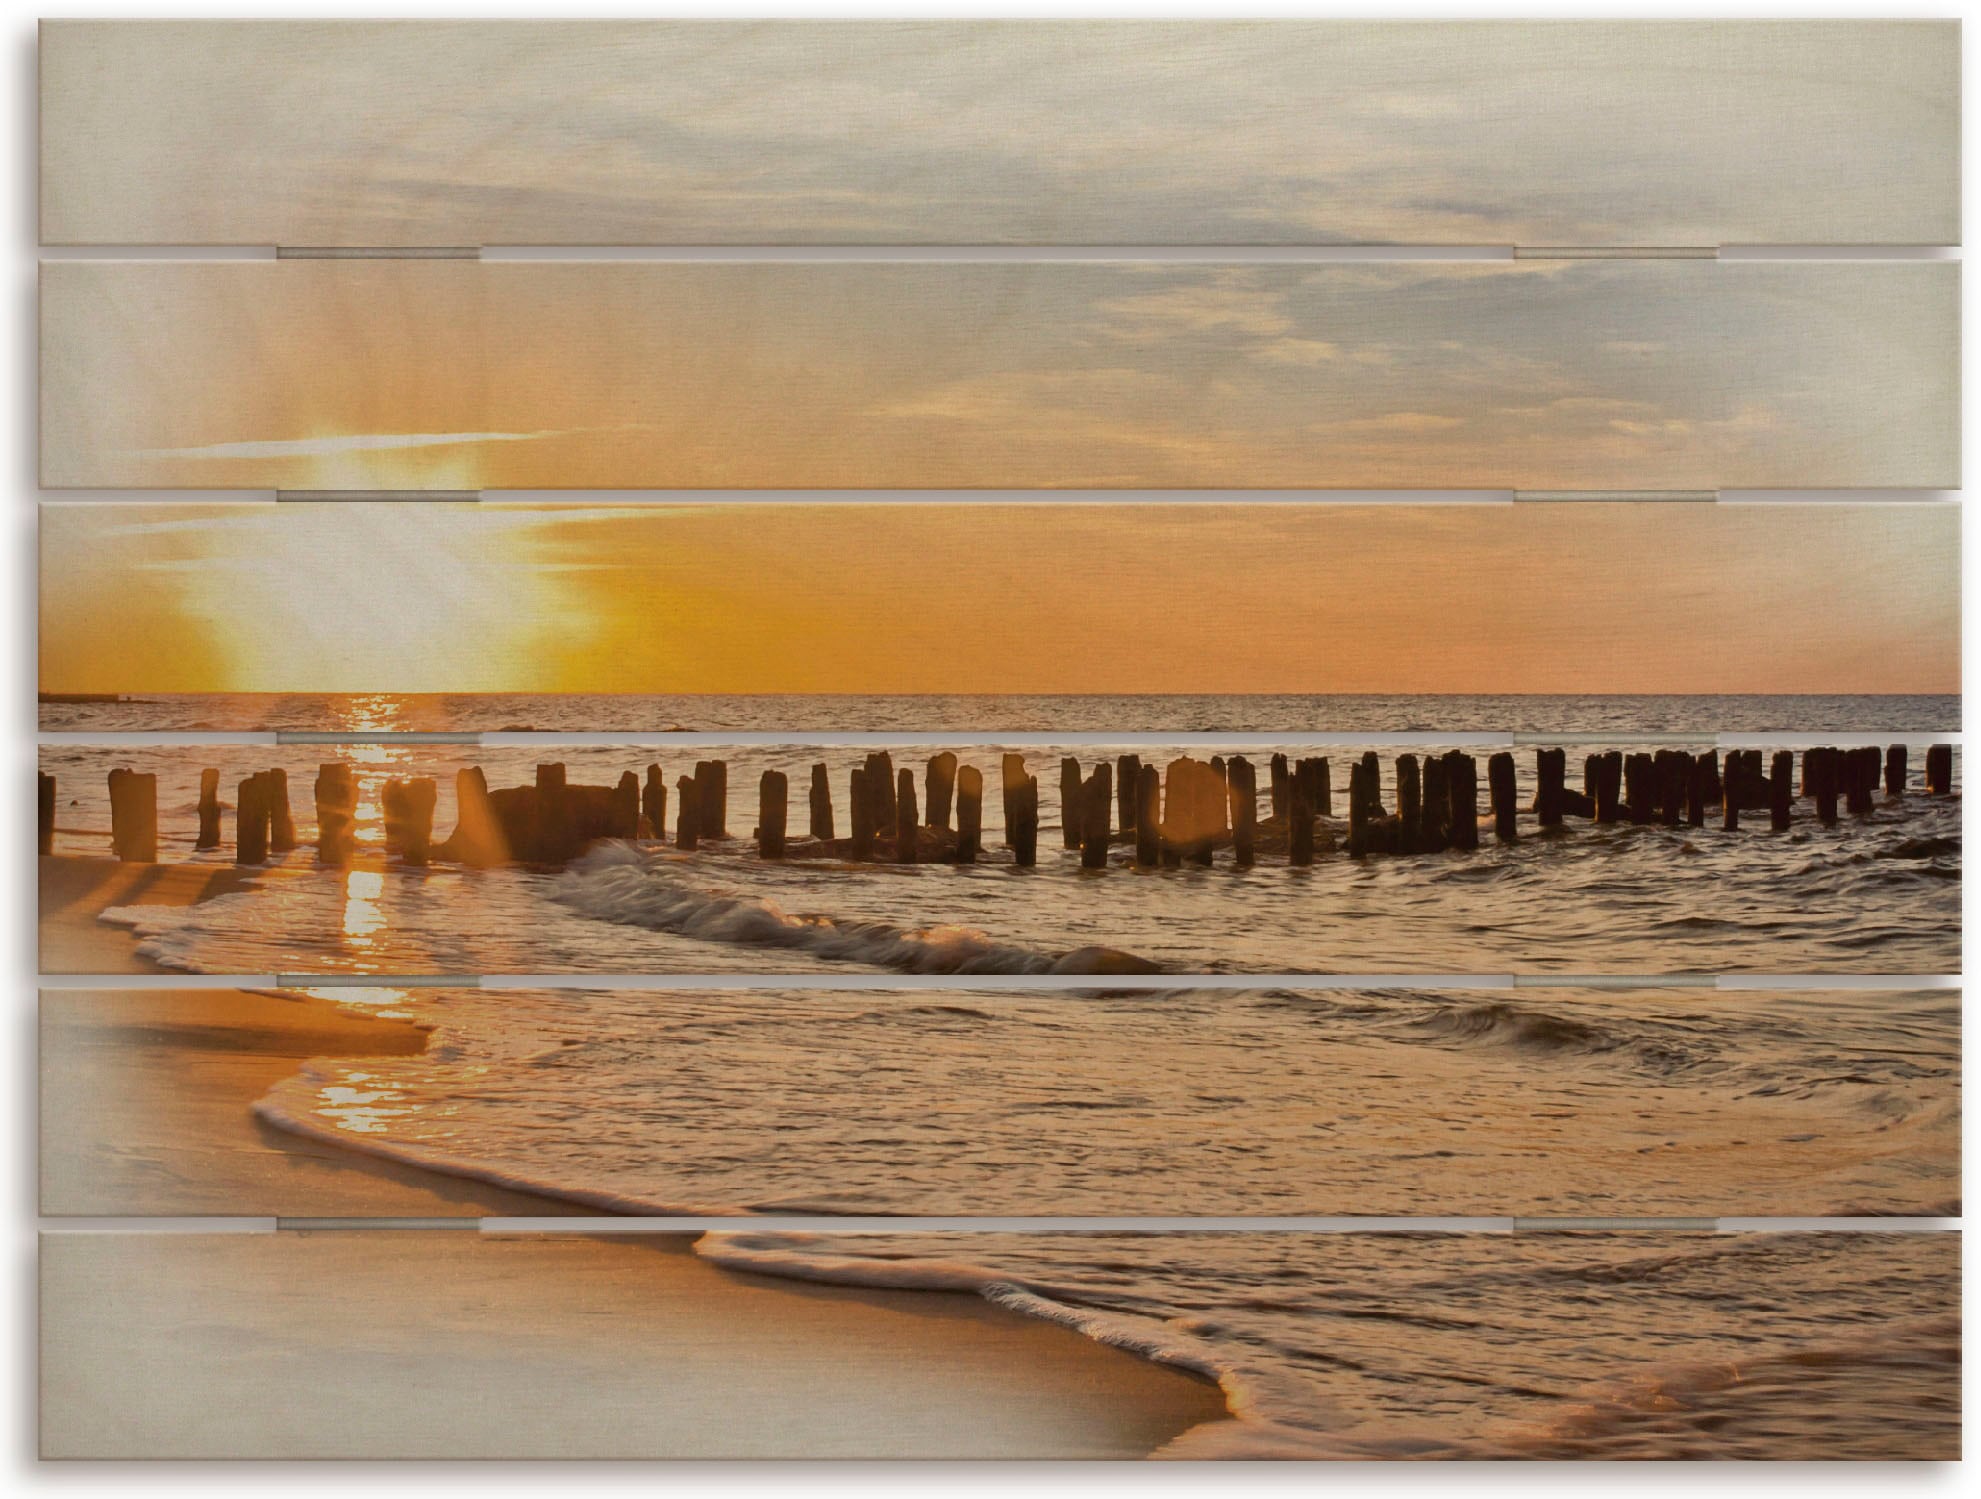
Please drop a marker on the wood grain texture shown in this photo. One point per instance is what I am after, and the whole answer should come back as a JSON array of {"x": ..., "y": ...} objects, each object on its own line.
[
  {"x": 1684, "y": 375},
  {"x": 488, "y": 133},
  {"x": 1557, "y": 1102}
]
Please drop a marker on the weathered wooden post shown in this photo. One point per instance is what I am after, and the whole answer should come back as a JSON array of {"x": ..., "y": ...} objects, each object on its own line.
[
  {"x": 1550, "y": 782},
  {"x": 773, "y": 805},
  {"x": 1243, "y": 781},
  {"x": 251, "y": 821},
  {"x": 624, "y": 808},
  {"x": 1070, "y": 804},
  {"x": 1127, "y": 786},
  {"x": 1500, "y": 786},
  {"x": 1819, "y": 772},
  {"x": 907, "y": 818},
  {"x": 821, "y": 800},
  {"x": 1700, "y": 787},
  {"x": 941, "y": 784},
  {"x": 1217, "y": 794},
  {"x": 1895, "y": 770},
  {"x": 1148, "y": 816},
  {"x": 1639, "y": 788},
  {"x": 134, "y": 816},
  {"x": 1193, "y": 810},
  {"x": 969, "y": 814},
  {"x": 1409, "y": 803},
  {"x": 653, "y": 803},
  {"x": 1097, "y": 807},
  {"x": 421, "y": 797},
  {"x": 556, "y": 832},
  {"x": 1781, "y": 789},
  {"x": 1671, "y": 770},
  {"x": 1011, "y": 776},
  {"x": 44, "y": 812},
  {"x": 1023, "y": 831},
  {"x": 1463, "y": 779},
  {"x": 1279, "y": 783},
  {"x": 712, "y": 797},
  {"x": 209, "y": 809},
  {"x": 1730, "y": 797},
  {"x": 1359, "y": 801},
  {"x": 1300, "y": 822},
  {"x": 281, "y": 822},
  {"x": 479, "y": 840},
  {"x": 1609, "y": 786},
  {"x": 860, "y": 809},
  {"x": 336, "y": 814},
  {"x": 1939, "y": 770},
  {"x": 687, "y": 813},
  {"x": 1433, "y": 815},
  {"x": 1860, "y": 779}
]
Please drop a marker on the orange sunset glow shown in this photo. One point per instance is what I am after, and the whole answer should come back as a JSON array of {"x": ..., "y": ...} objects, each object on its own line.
[{"x": 999, "y": 598}]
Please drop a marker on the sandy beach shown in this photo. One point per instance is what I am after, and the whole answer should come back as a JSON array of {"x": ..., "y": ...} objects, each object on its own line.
[{"x": 76, "y": 891}]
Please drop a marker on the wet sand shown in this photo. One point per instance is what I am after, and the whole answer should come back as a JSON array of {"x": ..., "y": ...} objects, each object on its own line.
[{"x": 75, "y": 891}]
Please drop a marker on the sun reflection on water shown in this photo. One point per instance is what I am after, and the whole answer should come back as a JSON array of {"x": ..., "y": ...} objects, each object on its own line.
[{"x": 363, "y": 919}]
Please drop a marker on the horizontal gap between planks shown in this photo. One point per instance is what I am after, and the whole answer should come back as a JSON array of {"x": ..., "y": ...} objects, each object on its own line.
[
  {"x": 1040, "y": 497},
  {"x": 1042, "y": 254},
  {"x": 799, "y": 739},
  {"x": 800, "y": 1223}
]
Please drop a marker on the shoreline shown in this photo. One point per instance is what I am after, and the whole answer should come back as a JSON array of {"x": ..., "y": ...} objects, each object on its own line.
[
  {"x": 147, "y": 1107},
  {"x": 75, "y": 890}
]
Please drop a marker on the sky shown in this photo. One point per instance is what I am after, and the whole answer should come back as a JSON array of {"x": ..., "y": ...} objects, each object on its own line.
[
  {"x": 984, "y": 598},
  {"x": 532, "y": 375},
  {"x": 1502, "y": 133}
]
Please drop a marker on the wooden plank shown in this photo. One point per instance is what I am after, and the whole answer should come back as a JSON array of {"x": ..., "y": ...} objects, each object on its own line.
[
  {"x": 1689, "y": 375},
  {"x": 936, "y": 617},
  {"x": 655, "y": 132},
  {"x": 1462, "y": 1103},
  {"x": 538, "y": 860},
  {"x": 454, "y": 1345}
]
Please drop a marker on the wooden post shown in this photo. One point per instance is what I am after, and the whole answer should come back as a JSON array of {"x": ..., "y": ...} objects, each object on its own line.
[
  {"x": 1895, "y": 770},
  {"x": 1609, "y": 786},
  {"x": 1279, "y": 783},
  {"x": 209, "y": 809},
  {"x": 1433, "y": 816},
  {"x": 907, "y": 819},
  {"x": 336, "y": 814},
  {"x": 44, "y": 812},
  {"x": 478, "y": 839},
  {"x": 251, "y": 821},
  {"x": 1070, "y": 806},
  {"x": 860, "y": 807},
  {"x": 1243, "y": 780},
  {"x": 941, "y": 785},
  {"x": 1671, "y": 771},
  {"x": 281, "y": 823},
  {"x": 1148, "y": 816},
  {"x": 1023, "y": 831},
  {"x": 1463, "y": 779},
  {"x": 1500, "y": 785},
  {"x": 712, "y": 797},
  {"x": 687, "y": 813},
  {"x": 1700, "y": 785},
  {"x": 134, "y": 816},
  {"x": 1639, "y": 788},
  {"x": 969, "y": 814},
  {"x": 1127, "y": 786},
  {"x": 1097, "y": 807},
  {"x": 625, "y": 808},
  {"x": 1939, "y": 770},
  {"x": 773, "y": 805},
  {"x": 1860, "y": 779},
  {"x": 1011, "y": 776},
  {"x": 556, "y": 837},
  {"x": 1819, "y": 773},
  {"x": 1730, "y": 797},
  {"x": 1550, "y": 781},
  {"x": 653, "y": 803},
  {"x": 1781, "y": 789},
  {"x": 1217, "y": 792},
  {"x": 1300, "y": 823},
  {"x": 421, "y": 797},
  {"x": 822, "y": 802},
  {"x": 1359, "y": 801},
  {"x": 1409, "y": 802}
]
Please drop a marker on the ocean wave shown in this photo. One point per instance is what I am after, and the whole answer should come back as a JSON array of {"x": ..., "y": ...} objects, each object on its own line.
[{"x": 616, "y": 882}]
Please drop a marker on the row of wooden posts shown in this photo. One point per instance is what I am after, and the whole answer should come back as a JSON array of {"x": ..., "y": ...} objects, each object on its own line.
[{"x": 1176, "y": 815}]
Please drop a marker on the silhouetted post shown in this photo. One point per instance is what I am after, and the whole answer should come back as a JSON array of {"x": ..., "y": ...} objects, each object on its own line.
[
  {"x": 1217, "y": 794},
  {"x": 1730, "y": 797},
  {"x": 336, "y": 814},
  {"x": 907, "y": 819},
  {"x": 1500, "y": 786},
  {"x": 1242, "y": 779},
  {"x": 1639, "y": 787},
  {"x": 1279, "y": 783},
  {"x": 1700, "y": 786},
  {"x": 251, "y": 821},
  {"x": 1433, "y": 815},
  {"x": 1861, "y": 779},
  {"x": 134, "y": 816},
  {"x": 1939, "y": 770},
  {"x": 479, "y": 839},
  {"x": 1673, "y": 771},
  {"x": 623, "y": 808},
  {"x": 941, "y": 784},
  {"x": 1895, "y": 770},
  {"x": 1781, "y": 789},
  {"x": 281, "y": 824},
  {"x": 1462, "y": 777},
  {"x": 1070, "y": 806},
  {"x": 1300, "y": 824},
  {"x": 1191, "y": 807},
  {"x": 1409, "y": 802},
  {"x": 421, "y": 798},
  {"x": 712, "y": 797},
  {"x": 773, "y": 805},
  {"x": 1023, "y": 832},
  {"x": 1127, "y": 786},
  {"x": 1011, "y": 776},
  {"x": 1097, "y": 807},
  {"x": 1609, "y": 786},
  {"x": 1148, "y": 816},
  {"x": 822, "y": 802},
  {"x": 556, "y": 836},
  {"x": 969, "y": 814},
  {"x": 1359, "y": 802},
  {"x": 1550, "y": 781},
  {"x": 653, "y": 803},
  {"x": 44, "y": 812},
  {"x": 687, "y": 813},
  {"x": 209, "y": 809},
  {"x": 860, "y": 807},
  {"x": 1819, "y": 773}
]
